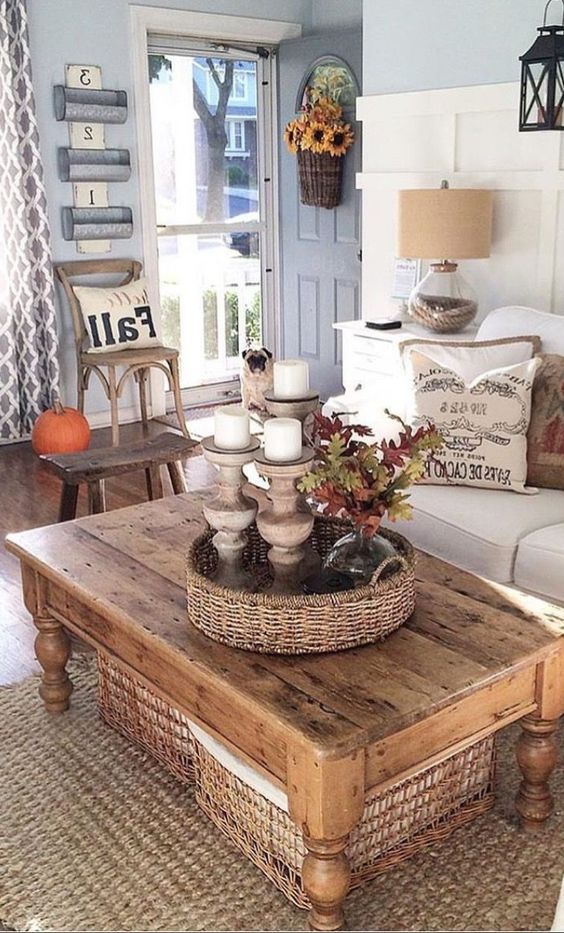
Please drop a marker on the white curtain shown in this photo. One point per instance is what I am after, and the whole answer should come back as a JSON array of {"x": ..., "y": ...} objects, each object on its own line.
[{"x": 29, "y": 370}]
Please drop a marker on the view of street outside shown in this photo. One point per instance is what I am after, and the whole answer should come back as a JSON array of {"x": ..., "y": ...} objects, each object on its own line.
[{"x": 203, "y": 114}]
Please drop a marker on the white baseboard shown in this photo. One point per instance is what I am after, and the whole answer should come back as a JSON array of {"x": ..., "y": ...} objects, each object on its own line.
[{"x": 101, "y": 419}]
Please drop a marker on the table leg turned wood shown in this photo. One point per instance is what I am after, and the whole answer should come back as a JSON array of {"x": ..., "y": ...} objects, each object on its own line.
[
  {"x": 52, "y": 647},
  {"x": 536, "y": 756},
  {"x": 326, "y": 877},
  {"x": 326, "y": 799}
]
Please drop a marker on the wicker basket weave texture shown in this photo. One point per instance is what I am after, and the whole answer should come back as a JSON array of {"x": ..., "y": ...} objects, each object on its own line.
[
  {"x": 142, "y": 717},
  {"x": 320, "y": 176},
  {"x": 396, "y": 824},
  {"x": 297, "y": 624}
]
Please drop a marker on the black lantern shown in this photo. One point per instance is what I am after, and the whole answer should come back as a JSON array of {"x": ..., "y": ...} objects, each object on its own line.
[{"x": 542, "y": 79}]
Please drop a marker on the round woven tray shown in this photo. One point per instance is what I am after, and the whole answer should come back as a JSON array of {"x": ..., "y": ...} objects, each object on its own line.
[{"x": 298, "y": 624}]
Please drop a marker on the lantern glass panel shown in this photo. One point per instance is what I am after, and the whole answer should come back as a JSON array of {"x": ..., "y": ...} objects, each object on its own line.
[
  {"x": 536, "y": 97},
  {"x": 559, "y": 94}
]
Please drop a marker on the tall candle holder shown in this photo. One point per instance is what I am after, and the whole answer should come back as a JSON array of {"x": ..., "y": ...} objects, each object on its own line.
[
  {"x": 230, "y": 512},
  {"x": 299, "y": 408},
  {"x": 287, "y": 522}
]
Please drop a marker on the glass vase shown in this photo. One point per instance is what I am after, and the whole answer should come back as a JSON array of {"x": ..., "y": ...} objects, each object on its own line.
[{"x": 359, "y": 555}]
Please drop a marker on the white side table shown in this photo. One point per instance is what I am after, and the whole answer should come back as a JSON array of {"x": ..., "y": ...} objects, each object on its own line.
[{"x": 372, "y": 371}]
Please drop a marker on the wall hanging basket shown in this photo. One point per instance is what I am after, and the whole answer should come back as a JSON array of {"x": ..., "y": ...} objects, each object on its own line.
[
  {"x": 320, "y": 176},
  {"x": 299, "y": 624}
]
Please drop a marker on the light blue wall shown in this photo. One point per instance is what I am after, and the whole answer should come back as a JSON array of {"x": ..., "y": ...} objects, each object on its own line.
[
  {"x": 327, "y": 15},
  {"x": 412, "y": 45},
  {"x": 97, "y": 32}
]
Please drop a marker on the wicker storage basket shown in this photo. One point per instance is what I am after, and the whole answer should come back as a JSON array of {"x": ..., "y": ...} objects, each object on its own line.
[
  {"x": 320, "y": 176},
  {"x": 398, "y": 823},
  {"x": 130, "y": 708},
  {"x": 298, "y": 624}
]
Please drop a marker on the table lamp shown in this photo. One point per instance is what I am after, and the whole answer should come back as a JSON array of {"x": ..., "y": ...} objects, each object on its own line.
[{"x": 441, "y": 222}]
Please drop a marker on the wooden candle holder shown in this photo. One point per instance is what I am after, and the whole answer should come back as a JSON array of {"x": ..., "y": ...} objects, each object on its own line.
[
  {"x": 287, "y": 523},
  {"x": 230, "y": 512},
  {"x": 299, "y": 408}
]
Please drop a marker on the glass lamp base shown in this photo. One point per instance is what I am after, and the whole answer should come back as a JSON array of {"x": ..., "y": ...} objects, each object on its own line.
[{"x": 443, "y": 301}]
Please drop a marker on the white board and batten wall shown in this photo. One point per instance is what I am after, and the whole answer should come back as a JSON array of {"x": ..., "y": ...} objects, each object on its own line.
[{"x": 469, "y": 136}]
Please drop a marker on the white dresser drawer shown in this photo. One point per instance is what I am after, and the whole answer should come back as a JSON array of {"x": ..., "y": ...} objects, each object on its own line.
[
  {"x": 367, "y": 363},
  {"x": 382, "y": 349}
]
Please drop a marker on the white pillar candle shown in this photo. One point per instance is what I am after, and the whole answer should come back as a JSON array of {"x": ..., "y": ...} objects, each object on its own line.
[
  {"x": 232, "y": 428},
  {"x": 282, "y": 439},
  {"x": 291, "y": 379}
]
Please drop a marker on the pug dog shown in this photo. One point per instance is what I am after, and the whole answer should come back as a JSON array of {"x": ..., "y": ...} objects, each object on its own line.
[{"x": 256, "y": 377}]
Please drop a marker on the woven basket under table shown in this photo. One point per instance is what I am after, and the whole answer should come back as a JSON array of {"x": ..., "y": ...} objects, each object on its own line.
[
  {"x": 298, "y": 624},
  {"x": 396, "y": 824}
]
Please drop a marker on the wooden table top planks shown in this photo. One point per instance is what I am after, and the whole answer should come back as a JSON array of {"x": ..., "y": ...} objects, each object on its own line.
[{"x": 129, "y": 567}]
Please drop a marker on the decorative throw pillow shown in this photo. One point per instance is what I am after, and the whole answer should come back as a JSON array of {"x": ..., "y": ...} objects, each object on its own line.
[
  {"x": 472, "y": 358},
  {"x": 545, "y": 452},
  {"x": 117, "y": 318},
  {"x": 484, "y": 422}
]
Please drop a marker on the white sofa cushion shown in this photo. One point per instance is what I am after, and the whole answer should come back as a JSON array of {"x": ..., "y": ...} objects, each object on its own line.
[
  {"x": 539, "y": 564},
  {"x": 514, "y": 321},
  {"x": 479, "y": 529}
]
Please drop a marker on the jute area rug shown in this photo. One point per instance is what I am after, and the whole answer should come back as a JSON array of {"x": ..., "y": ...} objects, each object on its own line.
[{"x": 97, "y": 836}]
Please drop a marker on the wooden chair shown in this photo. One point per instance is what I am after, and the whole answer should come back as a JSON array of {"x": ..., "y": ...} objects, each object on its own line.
[
  {"x": 94, "y": 466},
  {"x": 135, "y": 362}
]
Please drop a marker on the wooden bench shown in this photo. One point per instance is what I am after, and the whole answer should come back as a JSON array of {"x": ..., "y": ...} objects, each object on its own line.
[{"x": 95, "y": 466}]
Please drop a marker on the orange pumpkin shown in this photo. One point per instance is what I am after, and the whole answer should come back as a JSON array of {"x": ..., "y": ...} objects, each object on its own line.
[{"x": 60, "y": 431}]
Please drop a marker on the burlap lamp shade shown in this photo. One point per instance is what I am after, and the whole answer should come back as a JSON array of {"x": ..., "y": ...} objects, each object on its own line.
[{"x": 445, "y": 223}]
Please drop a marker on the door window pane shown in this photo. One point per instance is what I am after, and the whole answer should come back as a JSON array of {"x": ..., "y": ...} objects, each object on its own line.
[
  {"x": 210, "y": 301},
  {"x": 204, "y": 125},
  {"x": 204, "y": 122}
]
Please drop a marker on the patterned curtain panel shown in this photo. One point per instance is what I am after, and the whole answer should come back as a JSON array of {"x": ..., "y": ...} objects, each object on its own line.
[{"x": 29, "y": 370}]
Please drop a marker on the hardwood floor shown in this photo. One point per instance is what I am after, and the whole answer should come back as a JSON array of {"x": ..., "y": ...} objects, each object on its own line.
[{"x": 29, "y": 498}]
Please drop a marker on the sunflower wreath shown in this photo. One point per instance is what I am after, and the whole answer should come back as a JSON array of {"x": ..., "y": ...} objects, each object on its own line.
[{"x": 320, "y": 138}]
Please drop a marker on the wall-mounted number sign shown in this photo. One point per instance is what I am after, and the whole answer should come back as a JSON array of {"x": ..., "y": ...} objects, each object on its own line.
[
  {"x": 90, "y": 194},
  {"x": 86, "y": 107},
  {"x": 84, "y": 76},
  {"x": 87, "y": 136}
]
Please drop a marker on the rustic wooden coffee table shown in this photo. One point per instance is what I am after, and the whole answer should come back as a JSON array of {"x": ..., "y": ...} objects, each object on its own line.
[{"x": 474, "y": 657}]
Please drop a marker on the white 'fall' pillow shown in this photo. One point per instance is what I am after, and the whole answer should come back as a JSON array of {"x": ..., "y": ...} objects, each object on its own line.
[
  {"x": 117, "y": 318},
  {"x": 483, "y": 423}
]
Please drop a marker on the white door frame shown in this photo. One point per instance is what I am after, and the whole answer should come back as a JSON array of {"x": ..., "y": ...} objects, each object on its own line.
[{"x": 145, "y": 20}]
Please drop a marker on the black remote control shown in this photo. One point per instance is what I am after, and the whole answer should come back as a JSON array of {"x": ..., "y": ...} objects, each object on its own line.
[{"x": 383, "y": 325}]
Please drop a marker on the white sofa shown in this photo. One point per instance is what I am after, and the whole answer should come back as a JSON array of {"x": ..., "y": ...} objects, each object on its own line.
[{"x": 504, "y": 536}]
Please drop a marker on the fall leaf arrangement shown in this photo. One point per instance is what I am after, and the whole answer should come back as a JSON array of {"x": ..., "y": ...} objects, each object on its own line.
[
  {"x": 319, "y": 128},
  {"x": 352, "y": 478}
]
